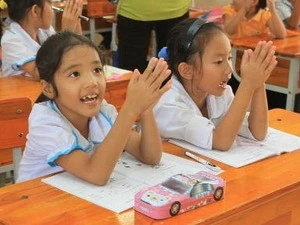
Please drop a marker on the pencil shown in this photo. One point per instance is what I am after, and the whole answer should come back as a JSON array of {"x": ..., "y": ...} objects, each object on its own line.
[{"x": 61, "y": 10}]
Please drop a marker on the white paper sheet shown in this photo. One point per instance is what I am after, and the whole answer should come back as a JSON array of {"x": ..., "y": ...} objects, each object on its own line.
[{"x": 245, "y": 151}]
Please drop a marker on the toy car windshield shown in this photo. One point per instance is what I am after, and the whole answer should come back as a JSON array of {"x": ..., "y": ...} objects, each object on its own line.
[{"x": 176, "y": 185}]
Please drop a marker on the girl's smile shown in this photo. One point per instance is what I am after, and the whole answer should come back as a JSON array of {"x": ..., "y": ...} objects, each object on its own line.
[{"x": 90, "y": 99}]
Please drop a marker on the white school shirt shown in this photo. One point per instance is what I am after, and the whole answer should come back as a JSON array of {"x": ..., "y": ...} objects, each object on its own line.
[
  {"x": 18, "y": 48},
  {"x": 179, "y": 117},
  {"x": 284, "y": 9},
  {"x": 52, "y": 135}
]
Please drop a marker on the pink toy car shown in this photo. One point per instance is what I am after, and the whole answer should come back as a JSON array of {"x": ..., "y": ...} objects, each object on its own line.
[{"x": 178, "y": 194}]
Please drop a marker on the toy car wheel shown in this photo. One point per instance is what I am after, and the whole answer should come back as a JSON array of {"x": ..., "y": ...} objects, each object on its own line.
[
  {"x": 175, "y": 207},
  {"x": 218, "y": 193}
]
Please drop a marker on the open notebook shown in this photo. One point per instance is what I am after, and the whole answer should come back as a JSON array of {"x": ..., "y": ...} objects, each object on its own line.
[{"x": 245, "y": 151}]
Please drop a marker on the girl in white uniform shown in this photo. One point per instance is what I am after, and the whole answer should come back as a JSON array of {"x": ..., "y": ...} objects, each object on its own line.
[
  {"x": 30, "y": 26},
  {"x": 72, "y": 128},
  {"x": 200, "y": 108}
]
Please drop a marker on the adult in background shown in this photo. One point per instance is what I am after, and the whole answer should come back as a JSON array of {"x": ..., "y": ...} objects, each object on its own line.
[{"x": 135, "y": 21}]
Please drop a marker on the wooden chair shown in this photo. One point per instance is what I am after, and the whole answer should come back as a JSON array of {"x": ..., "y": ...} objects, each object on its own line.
[
  {"x": 99, "y": 9},
  {"x": 14, "y": 115}
]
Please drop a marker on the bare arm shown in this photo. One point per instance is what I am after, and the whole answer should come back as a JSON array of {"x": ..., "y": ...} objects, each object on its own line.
[
  {"x": 255, "y": 69},
  {"x": 149, "y": 148},
  {"x": 31, "y": 69},
  {"x": 258, "y": 118},
  {"x": 143, "y": 91},
  {"x": 275, "y": 24},
  {"x": 294, "y": 21},
  {"x": 231, "y": 23}
]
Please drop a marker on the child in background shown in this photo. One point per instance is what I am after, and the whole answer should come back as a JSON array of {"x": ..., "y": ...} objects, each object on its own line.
[
  {"x": 244, "y": 18},
  {"x": 200, "y": 108},
  {"x": 71, "y": 126},
  {"x": 289, "y": 12},
  {"x": 30, "y": 27}
]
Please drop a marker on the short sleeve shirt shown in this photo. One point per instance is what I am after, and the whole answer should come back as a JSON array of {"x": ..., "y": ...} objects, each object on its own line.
[
  {"x": 18, "y": 48},
  {"x": 284, "y": 9},
  {"x": 179, "y": 117},
  {"x": 254, "y": 26},
  {"x": 52, "y": 135}
]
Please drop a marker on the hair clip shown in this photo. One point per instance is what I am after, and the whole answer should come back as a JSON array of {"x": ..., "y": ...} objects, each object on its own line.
[
  {"x": 191, "y": 33},
  {"x": 163, "y": 53}
]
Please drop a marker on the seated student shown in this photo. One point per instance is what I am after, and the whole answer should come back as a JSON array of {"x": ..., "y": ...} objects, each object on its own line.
[
  {"x": 245, "y": 18},
  {"x": 30, "y": 27},
  {"x": 201, "y": 108},
  {"x": 72, "y": 127},
  {"x": 289, "y": 12}
]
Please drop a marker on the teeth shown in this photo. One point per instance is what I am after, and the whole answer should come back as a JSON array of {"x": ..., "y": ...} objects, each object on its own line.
[{"x": 89, "y": 98}]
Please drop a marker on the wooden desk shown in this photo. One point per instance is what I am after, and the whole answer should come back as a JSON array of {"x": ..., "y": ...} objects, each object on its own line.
[
  {"x": 19, "y": 86},
  {"x": 263, "y": 193},
  {"x": 287, "y": 49}
]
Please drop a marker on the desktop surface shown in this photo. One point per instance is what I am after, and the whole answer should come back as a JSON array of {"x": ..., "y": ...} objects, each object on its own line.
[{"x": 266, "y": 192}]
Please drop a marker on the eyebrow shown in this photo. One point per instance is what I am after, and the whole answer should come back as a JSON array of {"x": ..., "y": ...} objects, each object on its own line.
[
  {"x": 76, "y": 65},
  {"x": 222, "y": 54}
]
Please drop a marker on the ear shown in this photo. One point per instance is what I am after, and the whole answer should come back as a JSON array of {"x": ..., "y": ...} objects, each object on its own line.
[
  {"x": 47, "y": 89},
  {"x": 185, "y": 70},
  {"x": 35, "y": 10}
]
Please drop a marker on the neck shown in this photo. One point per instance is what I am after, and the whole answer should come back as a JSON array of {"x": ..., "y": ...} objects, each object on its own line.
[
  {"x": 198, "y": 97},
  {"x": 29, "y": 29},
  {"x": 82, "y": 127}
]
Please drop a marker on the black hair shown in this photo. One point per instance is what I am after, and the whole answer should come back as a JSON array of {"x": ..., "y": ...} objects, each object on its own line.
[
  {"x": 262, "y": 4},
  {"x": 17, "y": 9},
  {"x": 49, "y": 56},
  {"x": 177, "y": 53}
]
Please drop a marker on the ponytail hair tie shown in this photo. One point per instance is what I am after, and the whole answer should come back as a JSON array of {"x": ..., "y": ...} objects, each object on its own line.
[{"x": 163, "y": 53}]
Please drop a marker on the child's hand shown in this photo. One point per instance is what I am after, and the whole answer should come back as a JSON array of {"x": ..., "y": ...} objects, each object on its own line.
[
  {"x": 271, "y": 5},
  {"x": 257, "y": 66},
  {"x": 145, "y": 90},
  {"x": 70, "y": 16}
]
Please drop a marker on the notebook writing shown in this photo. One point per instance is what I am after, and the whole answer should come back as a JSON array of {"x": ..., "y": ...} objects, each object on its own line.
[{"x": 246, "y": 151}]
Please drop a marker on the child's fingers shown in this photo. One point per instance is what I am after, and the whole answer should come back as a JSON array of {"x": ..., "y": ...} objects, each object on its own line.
[
  {"x": 268, "y": 59},
  {"x": 78, "y": 7},
  {"x": 166, "y": 73},
  {"x": 73, "y": 7},
  {"x": 134, "y": 78},
  {"x": 68, "y": 6},
  {"x": 158, "y": 71},
  {"x": 257, "y": 50},
  {"x": 270, "y": 67},
  {"x": 166, "y": 87},
  {"x": 246, "y": 57},
  {"x": 158, "y": 93},
  {"x": 150, "y": 67},
  {"x": 262, "y": 51}
]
